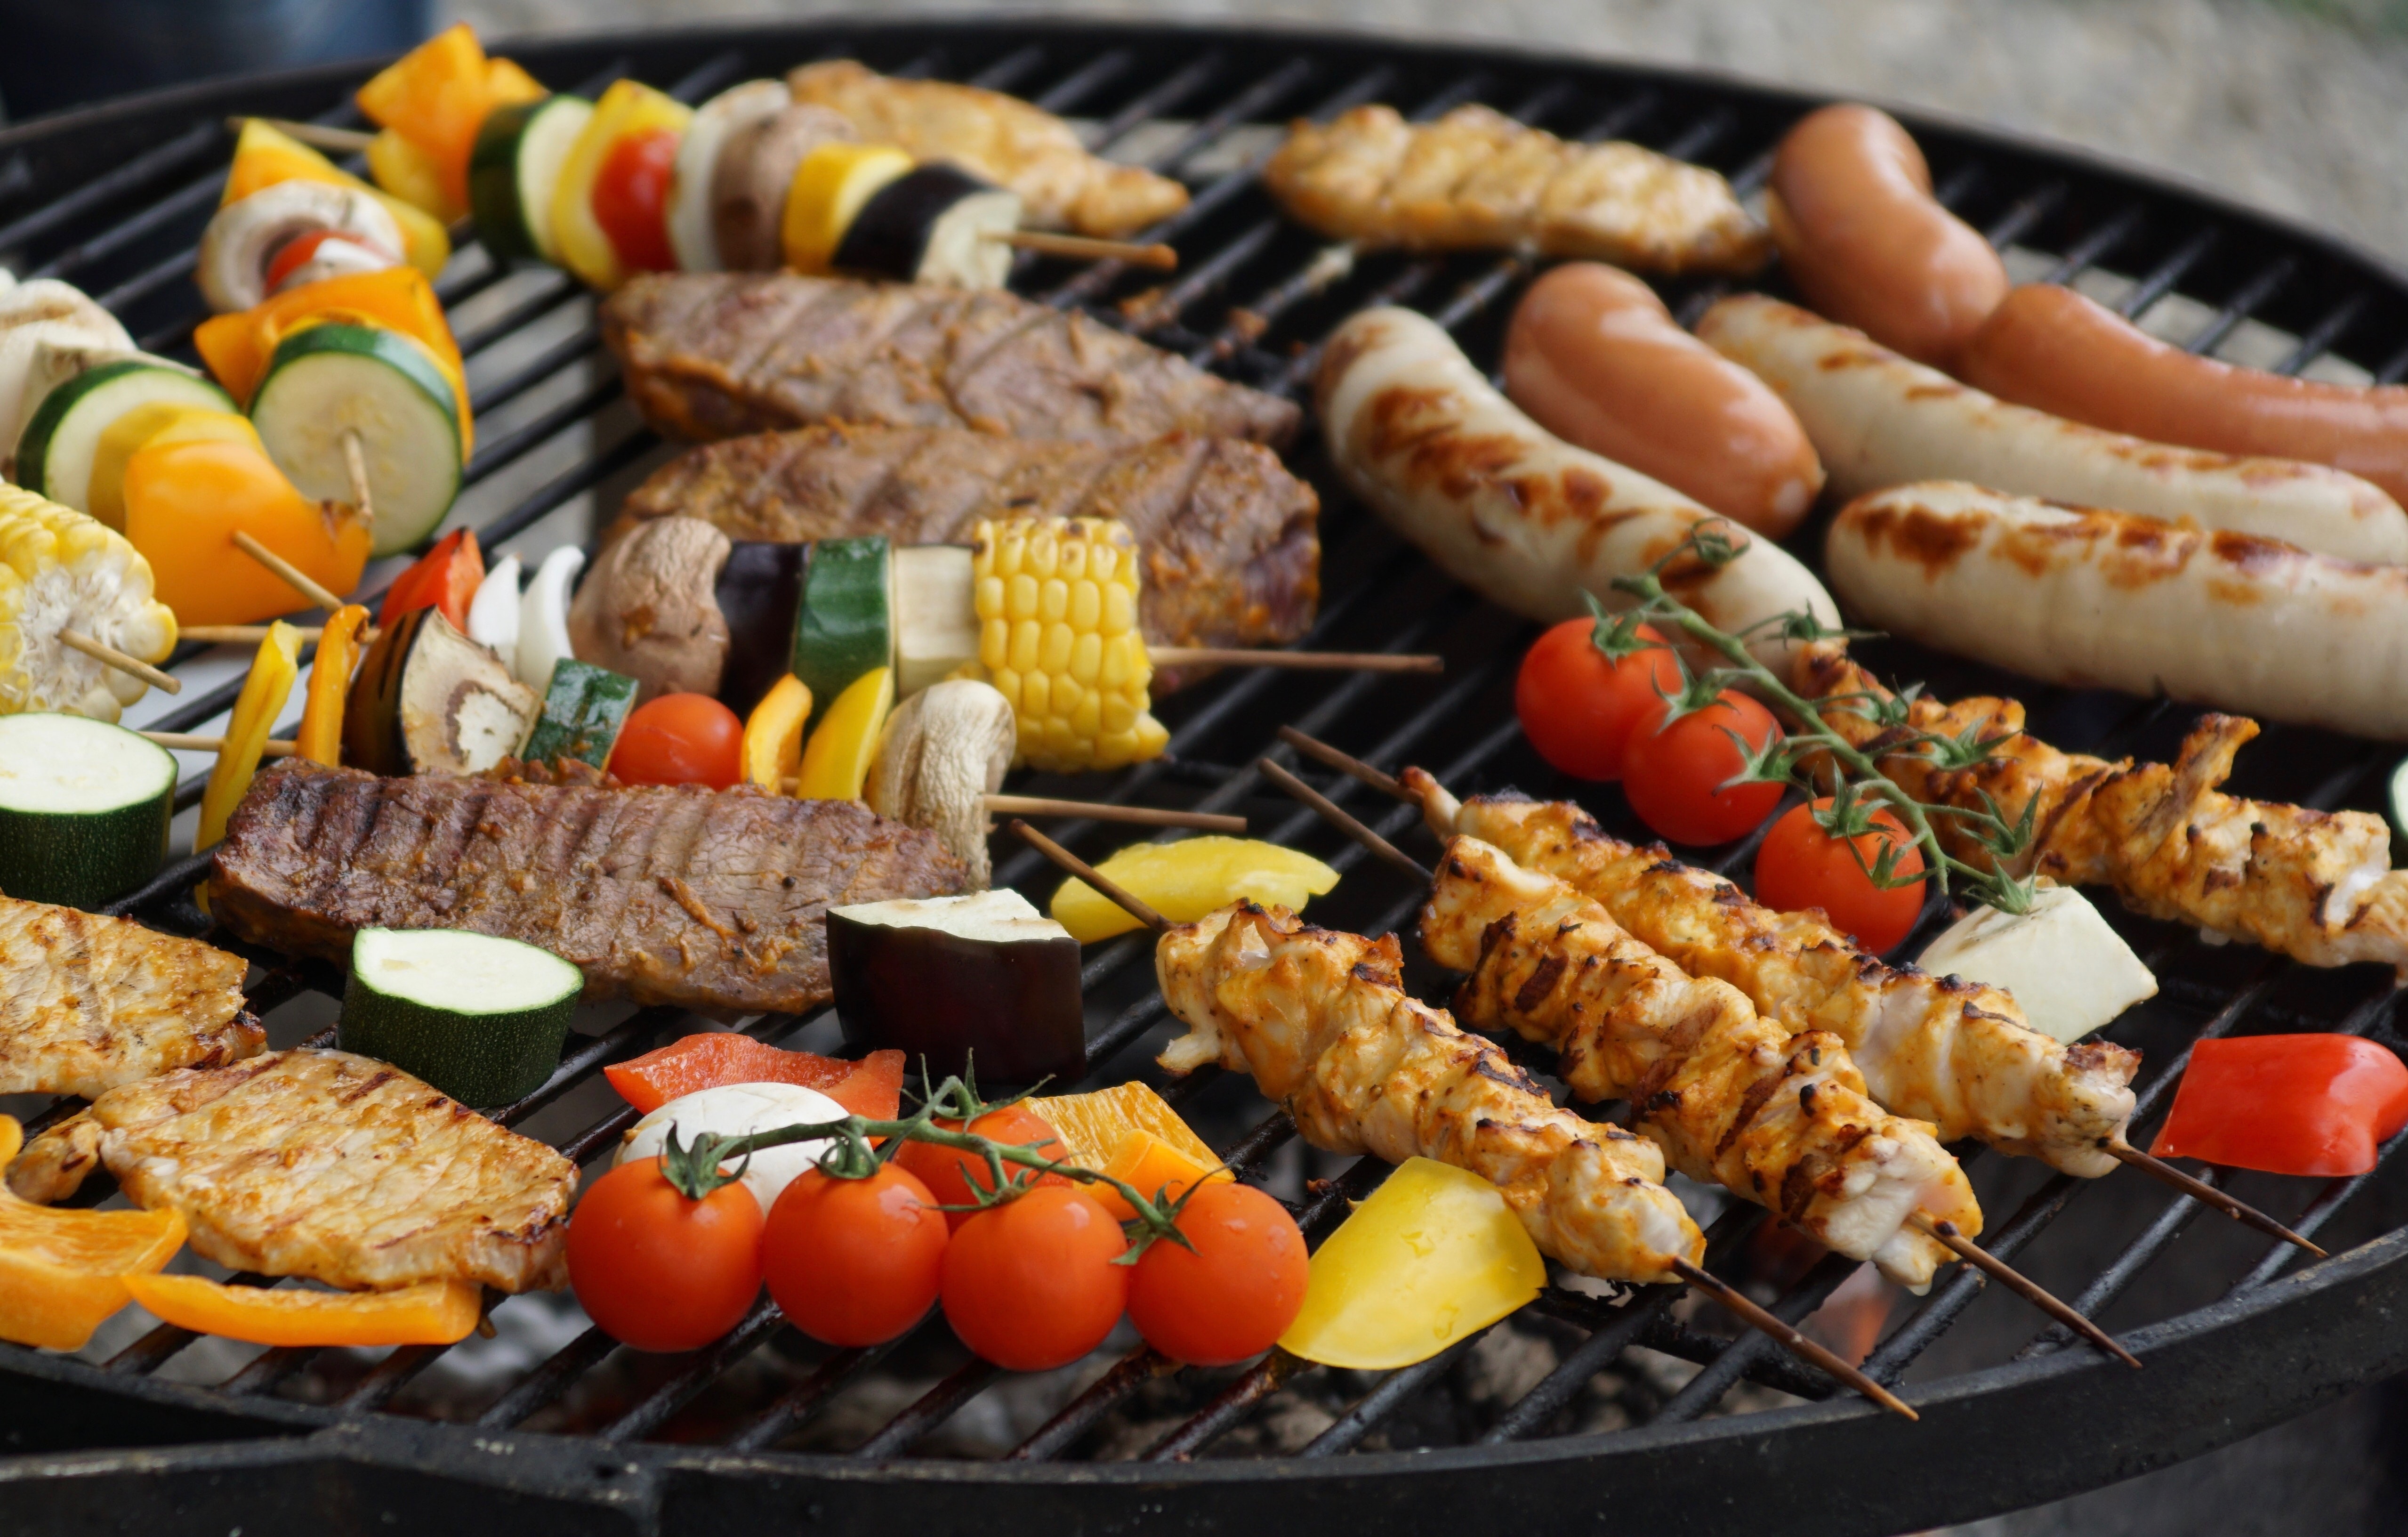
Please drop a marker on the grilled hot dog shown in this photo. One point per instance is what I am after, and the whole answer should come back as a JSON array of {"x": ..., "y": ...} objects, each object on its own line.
[
  {"x": 1851, "y": 208},
  {"x": 1519, "y": 515},
  {"x": 1595, "y": 358},
  {"x": 2074, "y": 596},
  {"x": 1879, "y": 421},
  {"x": 2053, "y": 348}
]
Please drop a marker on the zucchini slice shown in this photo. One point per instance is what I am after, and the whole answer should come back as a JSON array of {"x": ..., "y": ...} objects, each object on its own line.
[
  {"x": 845, "y": 625},
  {"x": 327, "y": 381},
  {"x": 583, "y": 708},
  {"x": 84, "y": 808},
  {"x": 512, "y": 170},
  {"x": 55, "y": 455},
  {"x": 480, "y": 1018}
]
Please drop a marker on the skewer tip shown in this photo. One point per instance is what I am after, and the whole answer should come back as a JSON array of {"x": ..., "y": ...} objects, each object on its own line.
[
  {"x": 1787, "y": 1337},
  {"x": 2022, "y": 1286},
  {"x": 2233, "y": 1206}
]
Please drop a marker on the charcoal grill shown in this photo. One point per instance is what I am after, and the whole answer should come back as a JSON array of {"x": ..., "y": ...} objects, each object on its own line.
[{"x": 755, "y": 1433}]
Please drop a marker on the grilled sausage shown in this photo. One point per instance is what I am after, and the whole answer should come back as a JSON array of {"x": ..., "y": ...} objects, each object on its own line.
[
  {"x": 2074, "y": 596},
  {"x": 1851, "y": 208},
  {"x": 1522, "y": 516},
  {"x": 1880, "y": 421},
  {"x": 1595, "y": 358},
  {"x": 2052, "y": 348}
]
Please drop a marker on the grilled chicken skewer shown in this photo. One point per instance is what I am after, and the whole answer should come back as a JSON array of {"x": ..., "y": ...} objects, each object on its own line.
[{"x": 1321, "y": 1023}]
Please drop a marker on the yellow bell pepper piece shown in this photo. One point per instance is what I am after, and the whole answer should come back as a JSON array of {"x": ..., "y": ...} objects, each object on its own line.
[
  {"x": 184, "y": 502},
  {"x": 507, "y": 85},
  {"x": 62, "y": 1272},
  {"x": 430, "y": 1313},
  {"x": 1186, "y": 880},
  {"x": 158, "y": 422},
  {"x": 627, "y": 107},
  {"x": 264, "y": 693},
  {"x": 408, "y": 172},
  {"x": 238, "y": 346},
  {"x": 773, "y": 734},
  {"x": 263, "y": 156},
  {"x": 829, "y": 188},
  {"x": 838, "y": 757},
  {"x": 1433, "y": 1257},
  {"x": 320, "y": 738}
]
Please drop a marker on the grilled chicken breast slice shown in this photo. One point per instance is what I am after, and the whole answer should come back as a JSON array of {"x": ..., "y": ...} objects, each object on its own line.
[
  {"x": 1322, "y": 1022},
  {"x": 1940, "y": 1049},
  {"x": 89, "y": 1002},
  {"x": 324, "y": 1165},
  {"x": 1733, "y": 1098},
  {"x": 1475, "y": 180}
]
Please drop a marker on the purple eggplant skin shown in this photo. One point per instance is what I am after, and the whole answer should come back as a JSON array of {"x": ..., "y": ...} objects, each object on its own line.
[
  {"x": 1009, "y": 1008},
  {"x": 758, "y": 590}
]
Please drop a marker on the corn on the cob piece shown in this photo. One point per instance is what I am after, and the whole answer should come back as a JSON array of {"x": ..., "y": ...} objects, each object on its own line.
[
  {"x": 60, "y": 570},
  {"x": 1056, "y": 601}
]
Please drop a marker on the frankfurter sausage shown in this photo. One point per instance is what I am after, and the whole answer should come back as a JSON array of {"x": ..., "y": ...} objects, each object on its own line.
[
  {"x": 1595, "y": 358},
  {"x": 2054, "y": 348},
  {"x": 1879, "y": 420},
  {"x": 1851, "y": 208},
  {"x": 1522, "y": 517},
  {"x": 2075, "y": 595}
]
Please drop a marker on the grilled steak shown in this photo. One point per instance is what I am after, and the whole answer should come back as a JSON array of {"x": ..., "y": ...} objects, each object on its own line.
[
  {"x": 89, "y": 1002},
  {"x": 713, "y": 354},
  {"x": 1232, "y": 556},
  {"x": 702, "y": 898}
]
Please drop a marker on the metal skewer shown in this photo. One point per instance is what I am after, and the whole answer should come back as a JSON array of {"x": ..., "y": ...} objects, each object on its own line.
[{"x": 111, "y": 656}]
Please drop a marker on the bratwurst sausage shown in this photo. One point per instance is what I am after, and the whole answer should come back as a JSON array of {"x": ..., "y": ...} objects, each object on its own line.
[
  {"x": 2054, "y": 348},
  {"x": 1851, "y": 208},
  {"x": 1879, "y": 421},
  {"x": 1595, "y": 358},
  {"x": 1522, "y": 516},
  {"x": 2074, "y": 596}
]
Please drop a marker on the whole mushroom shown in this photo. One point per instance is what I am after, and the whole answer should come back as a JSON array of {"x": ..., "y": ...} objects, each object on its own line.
[
  {"x": 650, "y": 608},
  {"x": 945, "y": 751}
]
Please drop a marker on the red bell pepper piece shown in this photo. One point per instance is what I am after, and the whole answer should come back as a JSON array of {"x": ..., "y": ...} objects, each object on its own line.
[
  {"x": 445, "y": 577},
  {"x": 2288, "y": 1104},
  {"x": 872, "y": 1087}
]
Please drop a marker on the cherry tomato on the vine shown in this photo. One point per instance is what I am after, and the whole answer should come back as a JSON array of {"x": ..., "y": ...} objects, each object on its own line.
[
  {"x": 1234, "y": 1294},
  {"x": 855, "y": 1262},
  {"x": 1670, "y": 771},
  {"x": 1031, "y": 1284},
  {"x": 946, "y": 1170},
  {"x": 631, "y": 195},
  {"x": 659, "y": 1272},
  {"x": 1578, "y": 704},
  {"x": 681, "y": 739},
  {"x": 1801, "y": 865}
]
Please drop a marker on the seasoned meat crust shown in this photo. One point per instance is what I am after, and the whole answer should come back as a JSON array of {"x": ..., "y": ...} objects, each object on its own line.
[
  {"x": 714, "y": 354},
  {"x": 89, "y": 1002},
  {"x": 701, "y": 899},
  {"x": 325, "y": 1165},
  {"x": 1232, "y": 555}
]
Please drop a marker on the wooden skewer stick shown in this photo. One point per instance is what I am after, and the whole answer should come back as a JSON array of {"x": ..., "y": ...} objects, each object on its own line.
[
  {"x": 1087, "y": 247},
  {"x": 1313, "y": 661},
  {"x": 111, "y": 656},
  {"x": 356, "y": 463},
  {"x": 1788, "y": 1338},
  {"x": 185, "y": 742},
  {"x": 348, "y": 142},
  {"x": 1084, "y": 871},
  {"x": 299, "y": 579},
  {"x": 1149, "y": 816},
  {"x": 1337, "y": 816},
  {"x": 2199, "y": 1189},
  {"x": 2021, "y": 1284},
  {"x": 1314, "y": 748}
]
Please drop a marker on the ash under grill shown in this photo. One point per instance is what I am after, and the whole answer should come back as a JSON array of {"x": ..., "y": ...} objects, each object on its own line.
[{"x": 1637, "y": 1405}]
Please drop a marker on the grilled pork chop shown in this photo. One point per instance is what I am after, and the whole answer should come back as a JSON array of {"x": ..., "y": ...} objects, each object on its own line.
[
  {"x": 324, "y": 1165},
  {"x": 89, "y": 1002},
  {"x": 1232, "y": 557},
  {"x": 715, "y": 354},
  {"x": 702, "y": 898}
]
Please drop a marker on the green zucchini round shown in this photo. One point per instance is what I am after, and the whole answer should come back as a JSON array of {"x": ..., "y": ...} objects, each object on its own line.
[
  {"x": 84, "y": 808},
  {"x": 512, "y": 169},
  {"x": 480, "y": 1017},
  {"x": 327, "y": 381},
  {"x": 55, "y": 452},
  {"x": 845, "y": 625}
]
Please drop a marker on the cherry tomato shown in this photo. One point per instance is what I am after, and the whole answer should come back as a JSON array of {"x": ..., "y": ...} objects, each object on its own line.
[
  {"x": 1801, "y": 865},
  {"x": 1670, "y": 771},
  {"x": 1578, "y": 706},
  {"x": 942, "y": 1168},
  {"x": 297, "y": 252},
  {"x": 659, "y": 1272},
  {"x": 681, "y": 739},
  {"x": 1030, "y": 1284},
  {"x": 1232, "y": 1296},
  {"x": 855, "y": 1262},
  {"x": 631, "y": 195}
]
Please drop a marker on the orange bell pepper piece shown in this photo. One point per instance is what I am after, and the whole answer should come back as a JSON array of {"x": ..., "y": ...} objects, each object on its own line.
[
  {"x": 430, "y": 1313},
  {"x": 1159, "y": 1172},
  {"x": 63, "y": 1273},
  {"x": 183, "y": 503},
  {"x": 236, "y": 347},
  {"x": 436, "y": 97},
  {"x": 321, "y": 739},
  {"x": 263, "y": 156}
]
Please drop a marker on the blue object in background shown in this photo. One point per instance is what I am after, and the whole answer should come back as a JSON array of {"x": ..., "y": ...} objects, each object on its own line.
[{"x": 61, "y": 53}]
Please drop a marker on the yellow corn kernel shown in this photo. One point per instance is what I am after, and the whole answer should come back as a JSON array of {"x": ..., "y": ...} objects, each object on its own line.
[
  {"x": 1074, "y": 564},
  {"x": 1020, "y": 598},
  {"x": 994, "y": 638},
  {"x": 988, "y": 596},
  {"x": 1010, "y": 551},
  {"x": 1068, "y": 694},
  {"x": 1007, "y": 682},
  {"x": 1103, "y": 561},
  {"x": 1043, "y": 555},
  {"x": 1025, "y": 638},
  {"x": 1086, "y": 606},
  {"x": 1036, "y": 694},
  {"x": 1087, "y": 656},
  {"x": 1119, "y": 609},
  {"x": 1120, "y": 663},
  {"x": 1087, "y": 720},
  {"x": 1053, "y": 654},
  {"x": 1118, "y": 713},
  {"x": 1053, "y": 600}
]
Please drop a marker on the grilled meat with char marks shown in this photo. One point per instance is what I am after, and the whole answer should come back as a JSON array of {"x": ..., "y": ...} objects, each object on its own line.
[
  {"x": 715, "y": 354},
  {"x": 324, "y": 1165},
  {"x": 1232, "y": 557},
  {"x": 88, "y": 1002},
  {"x": 702, "y": 898}
]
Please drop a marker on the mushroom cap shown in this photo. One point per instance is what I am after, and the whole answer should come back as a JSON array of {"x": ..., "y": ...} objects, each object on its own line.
[
  {"x": 945, "y": 750},
  {"x": 650, "y": 608},
  {"x": 244, "y": 237},
  {"x": 748, "y": 186}
]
